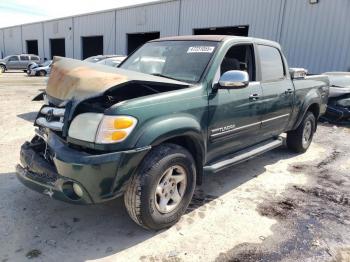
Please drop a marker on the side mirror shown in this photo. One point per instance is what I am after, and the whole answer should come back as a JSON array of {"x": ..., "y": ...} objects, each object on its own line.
[
  {"x": 297, "y": 73},
  {"x": 234, "y": 79}
]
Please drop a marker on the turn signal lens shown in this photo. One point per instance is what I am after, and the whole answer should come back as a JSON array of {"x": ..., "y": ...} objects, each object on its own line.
[
  {"x": 114, "y": 129},
  {"x": 118, "y": 135},
  {"x": 123, "y": 122}
]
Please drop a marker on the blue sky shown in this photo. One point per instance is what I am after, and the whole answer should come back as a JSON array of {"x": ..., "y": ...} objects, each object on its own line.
[{"x": 14, "y": 12}]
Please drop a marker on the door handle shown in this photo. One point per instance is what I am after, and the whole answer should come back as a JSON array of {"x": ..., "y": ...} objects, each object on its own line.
[
  {"x": 254, "y": 97},
  {"x": 289, "y": 91}
]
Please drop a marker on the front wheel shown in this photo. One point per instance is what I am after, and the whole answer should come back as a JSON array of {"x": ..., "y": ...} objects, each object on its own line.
[
  {"x": 2, "y": 68},
  {"x": 300, "y": 139},
  {"x": 42, "y": 73},
  {"x": 161, "y": 191}
]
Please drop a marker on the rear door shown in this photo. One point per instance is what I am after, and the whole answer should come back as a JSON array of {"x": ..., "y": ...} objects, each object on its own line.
[
  {"x": 24, "y": 61},
  {"x": 13, "y": 62},
  {"x": 278, "y": 91}
]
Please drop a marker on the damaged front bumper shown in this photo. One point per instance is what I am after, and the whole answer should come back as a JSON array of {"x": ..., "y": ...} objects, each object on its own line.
[{"x": 99, "y": 177}]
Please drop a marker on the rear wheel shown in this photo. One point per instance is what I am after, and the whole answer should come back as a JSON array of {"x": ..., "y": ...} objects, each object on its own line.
[
  {"x": 2, "y": 68},
  {"x": 300, "y": 139},
  {"x": 160, "y": 192}
]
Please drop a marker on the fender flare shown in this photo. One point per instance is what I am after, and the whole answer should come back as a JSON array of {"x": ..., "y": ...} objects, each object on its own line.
[{"x": 312, "y": 98}]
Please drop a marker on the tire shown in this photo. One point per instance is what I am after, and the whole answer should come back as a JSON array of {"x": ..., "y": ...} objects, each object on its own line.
[
  {"x": 2, "y": 68},
  {"x": 154, "y": 180},
  {"x": 42, "y": 73},
  {"x": 300, "y": 139}
]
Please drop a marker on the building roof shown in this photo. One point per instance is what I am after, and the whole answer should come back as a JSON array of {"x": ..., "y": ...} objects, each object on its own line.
[{"x": 155, "y": 2}]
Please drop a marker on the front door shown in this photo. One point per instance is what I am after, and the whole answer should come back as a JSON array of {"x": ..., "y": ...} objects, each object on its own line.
[
  {"x": 13, "y": 62},
  {"x": 278, "y": 92},
  {"x": 234, "y": 114}
]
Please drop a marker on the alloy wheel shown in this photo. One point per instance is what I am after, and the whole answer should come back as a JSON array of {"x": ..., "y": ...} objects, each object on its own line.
[
  {"x": 307, "y": 133},
  {"x": 170, "y": 189}
]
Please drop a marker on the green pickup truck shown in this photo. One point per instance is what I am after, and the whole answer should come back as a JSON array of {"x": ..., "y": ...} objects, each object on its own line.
[{"x": 176, "y": 109}]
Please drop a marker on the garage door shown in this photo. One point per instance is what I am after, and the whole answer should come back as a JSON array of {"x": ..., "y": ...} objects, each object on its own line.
[
  {"x": 136, "y": 40},
  {"x": 32, "y": 47},
  {"x": 92, "y": 45},
  {"x": 57, "y": 47}
]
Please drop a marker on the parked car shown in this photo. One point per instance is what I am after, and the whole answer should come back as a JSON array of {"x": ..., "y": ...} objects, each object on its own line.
[
  {"x": 18, "y": 62},
  {"x": 176, "y": 109},
  {"x": 99, "y": 58},
  {"x": 112, "y": 61},
  {"x": 39, "y": 69},
  {"x": 338, "y": 109}
]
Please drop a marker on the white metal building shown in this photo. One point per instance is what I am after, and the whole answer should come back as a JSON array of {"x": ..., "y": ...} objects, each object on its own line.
[{"x": 314, "y": 34}]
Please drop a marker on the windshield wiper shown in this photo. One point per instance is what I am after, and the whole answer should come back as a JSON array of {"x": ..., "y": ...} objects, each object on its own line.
[{"x": 156, "y": 74}]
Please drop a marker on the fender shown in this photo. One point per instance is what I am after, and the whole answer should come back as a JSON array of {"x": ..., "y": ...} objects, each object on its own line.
[
  {"x": 164, "y": 128},
  {"x": 312, "y": 97}
]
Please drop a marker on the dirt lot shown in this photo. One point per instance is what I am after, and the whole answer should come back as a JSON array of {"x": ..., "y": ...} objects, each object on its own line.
[{"x": 277, "y": 207}]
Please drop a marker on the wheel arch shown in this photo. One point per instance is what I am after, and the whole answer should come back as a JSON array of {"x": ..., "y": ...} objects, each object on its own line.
[
  {"x": 194, "y": 147},
  {"x": 314, "y": 108},
  {"x": 184, "y": 131}
]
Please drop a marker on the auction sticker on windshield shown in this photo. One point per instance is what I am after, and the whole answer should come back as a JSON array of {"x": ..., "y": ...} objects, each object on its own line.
[{"x": 200, "y": 49}]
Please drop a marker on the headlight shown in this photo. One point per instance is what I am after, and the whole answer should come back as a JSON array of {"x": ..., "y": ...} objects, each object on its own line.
[
  {"x": 115, "y": 129},
  {"x": 101, "y": 129},
  {"x": 84, "y": 126}
]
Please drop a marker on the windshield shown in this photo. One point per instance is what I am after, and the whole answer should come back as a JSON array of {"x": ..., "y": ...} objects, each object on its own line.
[{"x": 180, "y": 60}]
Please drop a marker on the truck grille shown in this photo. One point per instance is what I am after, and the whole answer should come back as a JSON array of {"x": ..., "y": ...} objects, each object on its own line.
[{"x": 51, "y": 117}]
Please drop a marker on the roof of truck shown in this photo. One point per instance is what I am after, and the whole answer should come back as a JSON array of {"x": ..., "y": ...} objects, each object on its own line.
[{"x": 217, "y": 38}]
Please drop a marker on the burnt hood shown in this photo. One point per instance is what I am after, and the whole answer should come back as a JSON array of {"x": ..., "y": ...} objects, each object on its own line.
[{"x": 78, "y": 80}]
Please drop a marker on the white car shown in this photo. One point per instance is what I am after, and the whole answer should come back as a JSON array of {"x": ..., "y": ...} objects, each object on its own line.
[
  {"x": 109, "y": 60},
  {"x": 112, "y": 61},
  {"x": 39, "y": 70}
]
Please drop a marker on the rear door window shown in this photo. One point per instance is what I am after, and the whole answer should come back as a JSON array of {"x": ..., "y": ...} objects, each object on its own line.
[
  {"x": 24, "y": 58},
  {"x": 272, "y": 67},
  {"x": 34, "y": 58}
]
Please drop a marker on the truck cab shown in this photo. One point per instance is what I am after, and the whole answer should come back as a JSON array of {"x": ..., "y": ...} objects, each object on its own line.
[{"x": 176, "y": 109}]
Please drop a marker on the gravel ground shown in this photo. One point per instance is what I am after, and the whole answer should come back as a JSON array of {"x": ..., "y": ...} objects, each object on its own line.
[{"x": 276, "y": 207}]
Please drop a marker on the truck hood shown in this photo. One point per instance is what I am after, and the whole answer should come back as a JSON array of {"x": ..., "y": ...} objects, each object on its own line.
[{"x": 78, "y": 80}]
